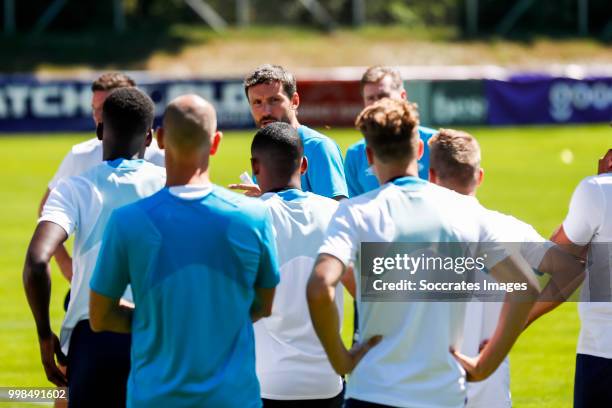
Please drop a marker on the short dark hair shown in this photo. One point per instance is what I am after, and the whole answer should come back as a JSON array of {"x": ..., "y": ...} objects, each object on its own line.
[
  {"x": 112, "y": 80},
  {"x": 391, "y": 129},
  {"x": 454, "y": 155},
  {"x": 129, "y": 112},
  {"x": 377, "y": 73},
  {"x": 267, "y": 73},
  {"x": 282, "y": 146}
]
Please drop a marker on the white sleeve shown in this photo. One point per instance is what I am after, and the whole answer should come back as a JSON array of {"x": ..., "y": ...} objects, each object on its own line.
[
  {"x": 155, "y": 155},
  {"x": 342, "y": 238},
  {"x": 534, "y": 246},
  {"x": 491, "y": 238},
  {"x": 585, "y": 213},
  {"x": 66, "y": 169},
  {"x": 62, "y": 207}
]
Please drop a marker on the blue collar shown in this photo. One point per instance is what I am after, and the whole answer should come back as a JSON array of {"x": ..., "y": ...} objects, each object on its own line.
[
  {"x": 292, "y": 194},
  {"x": 408, "y": 181},
  {"x": 122, "y": 163}
]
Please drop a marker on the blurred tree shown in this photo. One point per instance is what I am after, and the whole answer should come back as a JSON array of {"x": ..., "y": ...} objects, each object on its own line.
[{"x": 550, "y": 17}]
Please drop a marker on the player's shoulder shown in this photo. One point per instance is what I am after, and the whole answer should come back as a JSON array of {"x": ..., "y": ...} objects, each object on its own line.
[
  {"x": 356, "y": 148},
  {"x": 514, "y": 229},
  {"x": 79, "y": 188},
  {"x": 313, "y": 137},
  {"x": 452, "y": 203},
  {"x": 231, "y": 202},
  {"x": 153, "y": 169},
  {"x": 321, "y": 201},
  {"x": 90, "y": 146},
  {"x": 600, "y": 181},
  {"x": 371, "y": 199},
  {"x": 595, "y": 189},
  {"x": 137, "y": 214},
  {"x": 442, "y": 193}
]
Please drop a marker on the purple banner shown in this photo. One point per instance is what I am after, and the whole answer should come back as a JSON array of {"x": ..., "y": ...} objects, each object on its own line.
[{"x": 541, "y": 100}]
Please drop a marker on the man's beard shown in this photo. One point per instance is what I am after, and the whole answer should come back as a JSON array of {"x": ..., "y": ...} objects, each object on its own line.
[{"x": 272, "y": 119}]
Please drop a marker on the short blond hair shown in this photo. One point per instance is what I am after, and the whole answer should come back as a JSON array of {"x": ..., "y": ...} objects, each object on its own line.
[
  {"x": 454, "y": 155},
  {"x": 391, "y": 129},
  {"x": 377, "y": 73}
]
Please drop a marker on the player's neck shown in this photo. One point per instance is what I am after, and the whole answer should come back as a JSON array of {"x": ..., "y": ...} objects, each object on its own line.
[
  {"x": 181, "y": 174},
  {"x": 275, "y": 187},
  {"x": 110, "y": 156},
  {"x": 386, "y": 172}
]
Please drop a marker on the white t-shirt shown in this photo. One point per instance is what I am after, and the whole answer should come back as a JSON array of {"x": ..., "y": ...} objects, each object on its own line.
[
  {"x": 411, "y": 366},
  {"x": 290, "y": 361},
  {"x": 481, "y": 318},
  {"x": 83, "y": 205},
  {"x": 589, "y": 220},
  {"x": 88, "y": 154}
]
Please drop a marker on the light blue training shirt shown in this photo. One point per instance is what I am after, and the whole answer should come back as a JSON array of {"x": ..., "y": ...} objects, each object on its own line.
[
  {"x": 325, "y": 174},
  {"x": 193, "y": 265},
  {"x": 360, "y": 177}
]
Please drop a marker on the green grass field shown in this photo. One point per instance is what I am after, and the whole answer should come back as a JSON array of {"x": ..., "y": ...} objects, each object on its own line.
[{"x": 525, "y": 176}]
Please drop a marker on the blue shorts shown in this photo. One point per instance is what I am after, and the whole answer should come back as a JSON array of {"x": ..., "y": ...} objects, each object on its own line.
[
  {"x": 593, "y": 382},
  {"x": 98, "y": 367}
]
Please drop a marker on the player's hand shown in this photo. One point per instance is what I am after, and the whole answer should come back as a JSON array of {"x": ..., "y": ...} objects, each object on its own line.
[
  {"x": 471, "y": 366},
  {"x": 250, "y": 190},
  {"x": 356, "y": 353},
  {"x": 605, "y": 163},
  {"x": 50, "y": 349}
]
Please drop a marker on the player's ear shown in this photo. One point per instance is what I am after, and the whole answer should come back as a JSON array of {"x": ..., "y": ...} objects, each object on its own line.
[
  {"x": 404, "y": 94},
  {"x": 254, "y": 166},
  {"x": 216, "y": 139},
  {"x": 295, "y": 100},
  {"x": 433, "y": 177},
  {"x": 160, "y": 137},
  {"x": 149, "y": 138},
  {"x": 421, "y": 149},
  {"x": 304, "y": 165},
  {"x": 480, "y": 177},
  {"x": 100, "y": 130},
  {"x": 370, "y": 155}
]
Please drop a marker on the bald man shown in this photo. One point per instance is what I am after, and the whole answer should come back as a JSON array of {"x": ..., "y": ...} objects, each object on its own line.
[{"x": 201, "y": 263}]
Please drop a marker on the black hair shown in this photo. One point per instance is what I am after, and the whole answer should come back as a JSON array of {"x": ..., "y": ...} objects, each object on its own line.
[
  {"x": 281, "y": 146},
  {"x": 129, "y": 112}
]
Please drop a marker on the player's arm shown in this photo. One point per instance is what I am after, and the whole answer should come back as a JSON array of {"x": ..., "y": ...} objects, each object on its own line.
[
  {"x": 517, "y": 305},
  {"x": 250, "y": 190},
  {"x": 567, "y": 274},
  {"x": 348, "y": 281},
  {"x": 262, "y": 304},
  {"x": 109, "y": 314},
  {"x": 43, "y": 201},
  {"x": 62, "y": 257},
  {"x": 321, "y": 292},
  {"x": 327, "y": 176},
  {"x": 110, "y": 278},
  {"x": 585, "y": 215},
  {"x": 268, "y": 274},
  {"x": 66, "y": 169},
  {"x": 47, "y": 237},
  {"x": 560, "y": 238}
]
